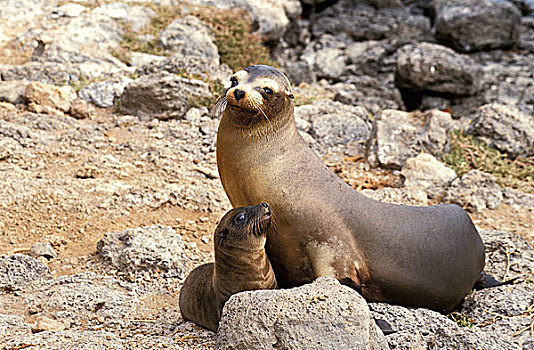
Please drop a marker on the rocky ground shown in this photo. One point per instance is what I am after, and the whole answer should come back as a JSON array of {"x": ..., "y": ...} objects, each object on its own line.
[{"x": 109, "y": 191}]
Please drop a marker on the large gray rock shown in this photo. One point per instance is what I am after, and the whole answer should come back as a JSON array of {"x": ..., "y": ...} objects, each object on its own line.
[
  {"x": 188, "y": 36},
  {"x": 473, "y": 25},
  {"x": 334, "y": 124},
  {"x": 435, "y": 68},
  {"x": 475, "y": 191},
  {"x": 18, "y": 270},
  {"x": 104, "y": 93},
  {"x": 403, "y": 195},
  {"x": 145, "y": 251},
  {"x": 138, "y": 17},
  {"x": 505, "y": 128},
  {"x": 375, "y": 94},
  {"x": 321, "y": 315},
  {"x": 397, "y": 136},
  {"x": 163, "y": 96},
  {"x": 364, "y": 22},
  {"x": 426, "y": 329},
  {"x": 427, "y": 173}
]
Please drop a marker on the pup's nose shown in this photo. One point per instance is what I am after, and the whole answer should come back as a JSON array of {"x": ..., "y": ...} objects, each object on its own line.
[{"x": 239, "y": 94}]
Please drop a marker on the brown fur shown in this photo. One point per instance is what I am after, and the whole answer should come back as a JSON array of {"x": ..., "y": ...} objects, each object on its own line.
[
  {"x": 416, "y": 256},
  {"x": 240, "y": 264}
]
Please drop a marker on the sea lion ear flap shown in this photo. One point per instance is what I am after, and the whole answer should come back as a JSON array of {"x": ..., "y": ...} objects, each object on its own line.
[{"x": 290, "y": 94}]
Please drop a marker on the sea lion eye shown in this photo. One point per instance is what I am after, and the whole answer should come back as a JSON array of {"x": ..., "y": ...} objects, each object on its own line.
[
  {"x": 268, "y": 91},
  {"x": 234, "y": 81},
  {"x": 240, "y": 218}
]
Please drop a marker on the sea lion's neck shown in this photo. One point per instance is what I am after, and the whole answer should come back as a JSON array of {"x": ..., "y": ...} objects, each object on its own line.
[
  {"x": 261, "y": 127},
  {"x": 241, "y": 270}
]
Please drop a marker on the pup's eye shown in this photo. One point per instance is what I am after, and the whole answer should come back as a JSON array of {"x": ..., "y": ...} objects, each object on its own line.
[
  {"x": 234, "y": 81},
  {"x": 240, "y": 218},
  {"x": 268, "y": 91}
]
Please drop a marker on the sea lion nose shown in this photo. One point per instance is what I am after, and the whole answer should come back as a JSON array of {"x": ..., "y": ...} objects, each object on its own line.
[
  {"x": 239, "y": 94},
  {"x": 266, "y": 206}
]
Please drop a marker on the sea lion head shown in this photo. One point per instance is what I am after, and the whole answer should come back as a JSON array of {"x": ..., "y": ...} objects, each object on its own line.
[
  {"x": 244, "y": 227},
  {"x": 258, "y": 95}
]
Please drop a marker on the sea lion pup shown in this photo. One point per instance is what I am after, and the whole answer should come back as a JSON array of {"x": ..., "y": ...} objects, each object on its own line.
[
  {"x": 413, "y": 256},
  {"x": 240, "y": 264}
]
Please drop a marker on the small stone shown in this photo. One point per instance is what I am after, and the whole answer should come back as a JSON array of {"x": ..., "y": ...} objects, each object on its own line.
[
  {"x": 46, "y": 324},
  {"x": 43, "y": 249}
]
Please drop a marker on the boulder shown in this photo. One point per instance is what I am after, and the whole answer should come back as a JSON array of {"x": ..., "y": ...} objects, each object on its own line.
[
  {"x": 397, "y": 136},
  {"x": 104, "y": 93},
  {"x": 435, "y": 68},
  {"x": 475, "y": 191},
  {"x": 320, "y": 315},
  {"x": 18, "y": 270},
  {"x": 188, "y": 36},
  {"x": 427, "y": 173},
  {"x": 474, "y": 25},
  {"x": 163, "y": 96},
  {"x": 334, "y": 124},
  {"x": 49, "y": 99},
  {"x": 504, "y": 128},
  {"x": 146, "y": 251}
]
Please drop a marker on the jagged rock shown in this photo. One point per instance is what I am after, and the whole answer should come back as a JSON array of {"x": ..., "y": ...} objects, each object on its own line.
[
  {"x": 363, "y": 22},
  {"x": 372, "y": 93},
  {"x": 404, "y": 195},
  {"x": 148, "y": 250},
  {"x": 334, "y": 124},
  {"x": 162, "y": 96},
  {"x": 104, "y": 93},
  {"x": 13, "y": 91},
  {"x": 321, "y": 315},
  {"x": 436, "y": 329},
  {"x": 326, "y": 56},
  {"x": 505, "y": 128},
  {"x": 188, "y": 36},
  {"x": 427, "y": 173},
  {"x": 43, "y": 249},
  {"x": 49, "y": 99},
  {"x": 473, "y": 25},
  {"x": 475, "y": 191},
  {"x": 397, "y": 136},
  {"x": 435, "y": 68},
  {"x": 17, "y": 270}
]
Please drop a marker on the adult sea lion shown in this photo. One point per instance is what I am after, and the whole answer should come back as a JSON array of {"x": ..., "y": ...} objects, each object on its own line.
[
  {"x": 414, "y": 256},
  {"x": 240, "y": 264}
]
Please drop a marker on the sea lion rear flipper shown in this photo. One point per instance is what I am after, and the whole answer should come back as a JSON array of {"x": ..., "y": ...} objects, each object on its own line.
[
  {"x": 384, "y": 326},
  {"x": 486, "y": 281}
]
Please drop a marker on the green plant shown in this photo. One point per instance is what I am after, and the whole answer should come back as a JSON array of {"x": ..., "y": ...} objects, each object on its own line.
[
  {"x": 461, "y": 320},
  {"x": 238, "y": 48},
  {"x": 468, "y": 153}
]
